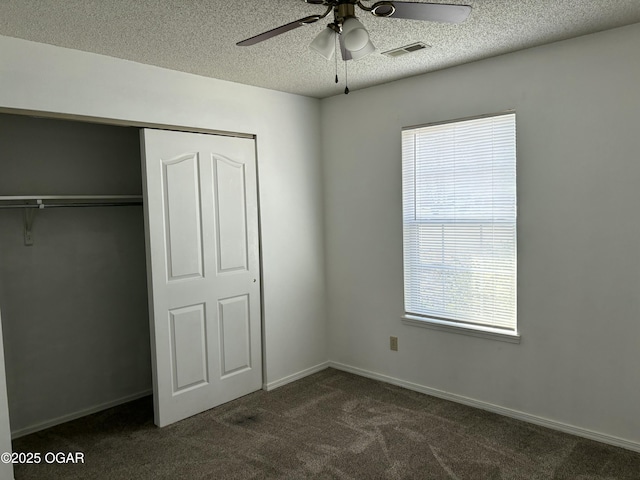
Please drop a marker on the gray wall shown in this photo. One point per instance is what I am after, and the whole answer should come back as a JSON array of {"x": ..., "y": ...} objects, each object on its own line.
[
  {"x": 578, "y": 108},
  {"x": 74, "y": 305}
]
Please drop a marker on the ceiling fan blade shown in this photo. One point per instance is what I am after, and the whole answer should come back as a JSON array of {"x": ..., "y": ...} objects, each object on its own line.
[
  {"x": 432, "y": 12},
  {"x": 277, "y": 31},
  {"x": 346, "y": 54}
]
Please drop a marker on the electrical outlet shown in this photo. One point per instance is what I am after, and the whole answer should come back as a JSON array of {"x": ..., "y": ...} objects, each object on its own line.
[{"x": 393, "y": 343}]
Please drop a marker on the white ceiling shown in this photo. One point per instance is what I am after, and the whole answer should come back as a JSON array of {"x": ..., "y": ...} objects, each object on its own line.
[{"x": 199, "y": 36}]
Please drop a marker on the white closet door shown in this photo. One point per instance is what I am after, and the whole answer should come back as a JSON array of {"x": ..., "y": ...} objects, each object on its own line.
[
  {"x": 201, "y": 214},
  {"x": 6, "y": 469}
]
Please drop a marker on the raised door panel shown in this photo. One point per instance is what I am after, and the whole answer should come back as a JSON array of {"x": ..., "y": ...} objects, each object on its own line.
[
  {"x": 235, "y": 335},
  {"x": 183, "y": 220},
  {"x": 188, "y": 348},
  {"x": 231, "y": 214}
]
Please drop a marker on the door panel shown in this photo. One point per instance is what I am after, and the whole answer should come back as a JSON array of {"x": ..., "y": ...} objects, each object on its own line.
[
  {"x": 201, "y": 219},
  {"x": 188, "y": 348},
  {"x": 183, "y": 222},
  {"x": 230, "y": 181},
  {"x": 235, "y": 335},
  {"x": 229, "y": 184}
]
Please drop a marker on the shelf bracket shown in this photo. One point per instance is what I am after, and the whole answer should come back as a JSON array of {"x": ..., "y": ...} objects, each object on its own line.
[{"x": 29, "y": 218}]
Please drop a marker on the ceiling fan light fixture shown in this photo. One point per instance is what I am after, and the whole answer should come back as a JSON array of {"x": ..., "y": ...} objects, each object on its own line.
[
  {"x": 325, "y": 43},
  {"x": 355, "y": 35},
  {"x": 363, "y": 52}
]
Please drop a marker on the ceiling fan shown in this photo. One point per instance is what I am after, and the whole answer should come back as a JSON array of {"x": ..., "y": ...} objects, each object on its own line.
[{"x": 353, "y": 37}]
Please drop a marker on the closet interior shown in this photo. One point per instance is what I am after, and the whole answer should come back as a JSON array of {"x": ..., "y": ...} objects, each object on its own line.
[{"x": 73, "y": 290}]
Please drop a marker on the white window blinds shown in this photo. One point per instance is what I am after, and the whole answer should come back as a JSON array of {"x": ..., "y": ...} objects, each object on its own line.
[{"x": 459, "y": 216}]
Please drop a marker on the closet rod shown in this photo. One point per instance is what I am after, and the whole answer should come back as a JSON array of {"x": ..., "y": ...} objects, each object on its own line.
[
  {"x": 32, "y": 203},
  {"x": 118, "y": 198},
  {"x": 42, "y": 206},
  {"x": 69, "y": 201}
]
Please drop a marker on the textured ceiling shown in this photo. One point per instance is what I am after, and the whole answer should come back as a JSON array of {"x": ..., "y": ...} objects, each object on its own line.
[{"x": 199, "y": 36}]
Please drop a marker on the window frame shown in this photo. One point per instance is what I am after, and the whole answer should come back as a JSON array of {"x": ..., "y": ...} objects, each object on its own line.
[{"x": 470, "y": 329}]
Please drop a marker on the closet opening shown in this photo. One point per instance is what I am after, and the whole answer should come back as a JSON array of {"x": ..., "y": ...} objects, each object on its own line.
[{"x": 73, "y": 280}]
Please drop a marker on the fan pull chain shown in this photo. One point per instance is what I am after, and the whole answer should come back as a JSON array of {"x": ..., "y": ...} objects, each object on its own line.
[
  {"x": 346, "y": 79},
  {"x": 336, "y": 57}
]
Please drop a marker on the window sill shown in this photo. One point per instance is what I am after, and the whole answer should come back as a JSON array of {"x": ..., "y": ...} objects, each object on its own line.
[{"x": 471, "y": 330}]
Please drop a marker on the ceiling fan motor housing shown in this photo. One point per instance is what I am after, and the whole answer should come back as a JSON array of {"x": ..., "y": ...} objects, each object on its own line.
[{"x": 343, "y": 11}]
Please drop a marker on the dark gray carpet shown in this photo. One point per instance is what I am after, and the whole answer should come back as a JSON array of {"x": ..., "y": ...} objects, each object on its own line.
[{"x": 331, "y": 425}]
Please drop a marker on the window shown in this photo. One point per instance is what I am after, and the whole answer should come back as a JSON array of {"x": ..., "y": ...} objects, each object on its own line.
[{"x": 459, "y": 217}]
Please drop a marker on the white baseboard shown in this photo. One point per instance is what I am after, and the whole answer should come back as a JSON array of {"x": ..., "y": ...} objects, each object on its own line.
[
  {"x": 82, "y": 413},
  {"x": 507, "y": 412},
  {"x": 296, "y": 376}
]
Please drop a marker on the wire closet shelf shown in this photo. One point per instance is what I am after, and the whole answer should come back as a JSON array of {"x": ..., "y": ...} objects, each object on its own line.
[
  {"x": 58, "y": 201},
  {"x": 32, "y": 204}
]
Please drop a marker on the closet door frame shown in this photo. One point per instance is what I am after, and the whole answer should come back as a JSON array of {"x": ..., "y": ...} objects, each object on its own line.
[{"x": 4, "y": 412}]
